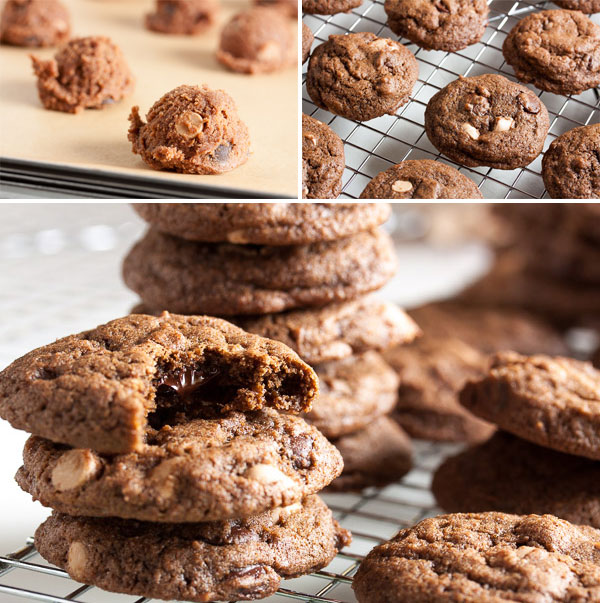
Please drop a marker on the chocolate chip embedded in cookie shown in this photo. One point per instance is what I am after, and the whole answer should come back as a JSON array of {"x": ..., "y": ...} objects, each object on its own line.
[
  {"x": 34, "y": 23},
  {"x": 487, "y": 120},
  {"x": 189, "y": 17},
  {"x": 307, "y": 40},
  {"x": 329, "y": 7},
  {"x": 361, "y": 76},
  {"x": 585, "y": 6}
]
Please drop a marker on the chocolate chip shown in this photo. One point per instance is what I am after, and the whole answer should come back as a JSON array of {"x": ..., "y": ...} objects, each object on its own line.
[
  {"x": 301, "y": 447},
  {"x": 222, "y": 152}
]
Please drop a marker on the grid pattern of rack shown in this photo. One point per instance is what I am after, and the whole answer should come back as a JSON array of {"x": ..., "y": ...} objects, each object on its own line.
[{"x": 374, "y": 146}]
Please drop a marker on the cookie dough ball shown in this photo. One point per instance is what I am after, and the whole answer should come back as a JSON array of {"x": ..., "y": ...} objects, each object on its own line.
[
  {"x": 34, "y": 23},
  {"x": 289, "y": 7},
  {"x": 191, "y": 130},
  {"x": 258, "y": 40},
  {"x": 189, "y": 17},
  {"x": 87, "y": 73},
  {"x": 329, "y": 7},
  {"x": 307, "y": 39}
]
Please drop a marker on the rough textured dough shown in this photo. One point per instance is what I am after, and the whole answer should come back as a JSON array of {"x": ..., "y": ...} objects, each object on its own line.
[
  {"x": 34, "y": 23},
  {"x": 188, "y": 17}
]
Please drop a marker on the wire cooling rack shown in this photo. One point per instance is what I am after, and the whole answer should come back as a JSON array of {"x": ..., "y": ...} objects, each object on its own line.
[{"x": 375, "y": 145}]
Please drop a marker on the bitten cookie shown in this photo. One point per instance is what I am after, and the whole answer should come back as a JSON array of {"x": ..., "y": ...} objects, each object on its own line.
[
  {"x": 307, "y": 40},
  {"x": 188, "y": 17},
  {"x": 329, "y": 7},
  {"x": 34, "y": 23},
  {"x": 361, "y": 76}
]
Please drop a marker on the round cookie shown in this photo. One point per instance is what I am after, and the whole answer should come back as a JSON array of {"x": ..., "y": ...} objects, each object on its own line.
[
  {"x": 571, "y": 165},
  {"x": 555, "y": 50},
  {"x": 34, "y": 23},
  {"x": 227, "y": 279},
  {"x": 188, "y": 17},
  {"x": 484, "y": 557},
  {"x": 323, "y": 160},
  {"x": 585, "y": 6},
  {"x": 288, "y": 7},
  {"x": 487, "y": 120},
  {"x": 448, "y": 25},
  {"x": 511, "y": 475},
  {"x": 553, "y": 402},
  {"x": 329, "y": 7},
  {"x": 225, "y": 560},
  {"x": 421, "y": 179},
  {"x": 191, "y": 130},
  {"x": 102, "y": 388},
  {"x": 307, "y": 40},
  {"x": 86, "y": 73},
  {"x": 361, "y": 76}
]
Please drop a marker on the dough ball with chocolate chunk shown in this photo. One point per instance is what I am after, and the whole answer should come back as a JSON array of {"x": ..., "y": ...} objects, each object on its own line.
[
  {"x": 34, "y": 23},
  {"x": 188, "y": 17},
  {"x": 191, "y": 130},
  {"x": 258, "y": 40}
]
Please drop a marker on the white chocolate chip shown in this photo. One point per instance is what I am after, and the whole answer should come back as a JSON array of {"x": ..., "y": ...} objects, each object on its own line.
[
  {"x": 310, "y": 136},
  {"x": 402, "y": 186},
  {"x": 284, "y": 512},
  {"x": 189, "y": 125},
  {"x": 503, "y": 124},
  {"x": 238, "y": 237},
  {"x": 77, "y": 560},
  {"x": 267, "y": 474},
  {"x": 269, "y": 52},
  {"x": 471, "y": 131},
  {"x": 74, "y": 468},
  {"x": 383, "y": 44},
  {"x": 163, "y": 477}
]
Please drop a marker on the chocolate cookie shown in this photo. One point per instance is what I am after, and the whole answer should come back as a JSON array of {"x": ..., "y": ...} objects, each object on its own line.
[
  {"x": 263, "y": 223},
  {"x": 449, "y": 25},
  {"x": 511, "y": 475},
  {"x": 191, "y": 130},
  {"x": 34, "y": 23},
  {"x": 361, "y": 76},
  {"x": 556, "y": 50},
  {"x": 487, "y": 120},
  {"x": 421, "y": 179},
  {"x": 329, "y": 7},
  {"x": 101, "y": 389},
  {"x": 188, "y": 17},
  {"x": 485, "y": 557},
  {"x": 553, "y": 402},
  {"x": 86, "y": 73},
  {"x": 232, "y": 560},
  {"x": 585, "y": 6},
  {"x": 307, "y": 40},
  {"x": 226, "y": 279},
  {"x": 571, "y": 165},
  {"x": 323, "y": 160}
]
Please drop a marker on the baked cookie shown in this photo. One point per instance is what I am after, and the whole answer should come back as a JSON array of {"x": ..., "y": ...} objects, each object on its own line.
[
  {"x": 421, "y": 179},
  {"x": 511, "y": 475},
  {"x": 226, "y": 279},
  {"x": 485, "y": 557},
  {"x": 86, "y": 73},
  {"x": 257, "y": 40},
  {"x": 487, "y": 120},
  {"x": 449, "y": 25},
  {"x": 188, "y": 17},
  {"x": 288, "y": 7},
  {"x": 224, "y": 560},
  {"x": 585, "y": 6},
  {"x": 329, "y": 7},
  {"x": 553, "y": 402},
  {"x": 191, "y": 130},
  {"x": 232, "y": 466},
  {"x": 34, "y": 23},
  {"x": 361, "y": 76},
  {"x": 571, "y": 165},
  {"x": 263, "y": 223},
  {"x": 307, "y": 40},
  {"x": 555, "y": 50},
  {"x": 102, "y": 388},
  {"x": 323, "y": 160}
]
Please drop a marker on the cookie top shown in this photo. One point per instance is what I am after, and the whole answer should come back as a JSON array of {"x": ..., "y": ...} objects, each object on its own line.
[
  {"x": 323, "y": 160},
  {"x": 421, "y": 179},
  {"x": 34, "y": 23},
  {"x": 225, "y": 560},
  {"x": 329, "y": 7},
  {"x": 485, "y": 557},
  {"x": 361, "y": 76},
  {"x": 450, "y": 25},
  {"x": 553, "y": 402},
  {"x": 100, "y": 389},
  {"x": 487, "y": 120},
  {"x": 585, "y": 6},
  {"x": 307, "y": 39},
  {"x": 183, "y": 16},
  {"x": 225, "y": 279},
  {"x": 556, "y": 50},
  {"x": 571, "y": 165}
]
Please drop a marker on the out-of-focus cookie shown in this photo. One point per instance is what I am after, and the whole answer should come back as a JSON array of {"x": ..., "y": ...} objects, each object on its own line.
[
  {"x": 34, "y": 23},
  {"x": 188, "y": 17},
  {"x": 307, "y": 40}
]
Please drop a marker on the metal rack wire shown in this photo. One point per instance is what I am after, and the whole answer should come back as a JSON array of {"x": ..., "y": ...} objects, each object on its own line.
[{"x": 374, "y": 146}]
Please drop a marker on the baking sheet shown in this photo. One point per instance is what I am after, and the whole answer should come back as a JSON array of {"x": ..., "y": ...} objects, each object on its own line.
[{"x": 97, "y": 139}]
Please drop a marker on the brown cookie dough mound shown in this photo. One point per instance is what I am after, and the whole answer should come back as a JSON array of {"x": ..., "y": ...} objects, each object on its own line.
[
  {"x": 487, "y": 120},
  {"x": 87, "y": 73},
  {"x": 227, "y": 279},
  {"x": 556, "y": 50},
  {"x": 307, "y": 40},
  {"x": 571, "y": 165},
  {"x": 101, "y": 388},
  {"x": 421, "y": 179},
  {"x": 585, "y": 6},
  {"x": 487, "y": 557},
  {"x": 329, "y": 7},
  {"x": 225, "y": 560},
  {"x": 288, "y": 7},
  {"x": 553, "y": 402},
  {"x": 34, "y": 23},
  {"x": 323, "y": 160},
  {"x": 191, "y": 130},
  {"x": 449, "y": 25},
  {"x": 258, "y": 40},
  {"x": 188, "y": 17},
  {"x": 361, "y": 76}
]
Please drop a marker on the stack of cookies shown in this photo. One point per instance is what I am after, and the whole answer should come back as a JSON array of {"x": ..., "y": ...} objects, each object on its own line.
[
  {"x": 159, "y": 444},
  {"x": 300, "y": 274}
]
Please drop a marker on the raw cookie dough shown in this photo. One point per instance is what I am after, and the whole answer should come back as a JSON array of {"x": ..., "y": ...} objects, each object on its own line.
[
  {"x": 188, "y": 17},
  {"x": 34, "y": 23},
  {"x": 86, "y": 73},
  {"x": 307, "y": 40},
  {"x": 288, "y": 7},
  {"x": 329, "y": 7},
  {"x": 191, "y": 130}
]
